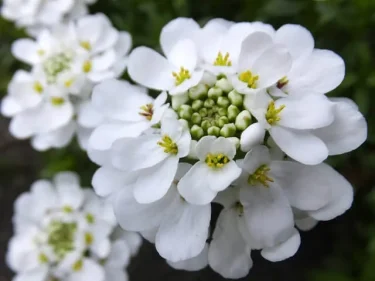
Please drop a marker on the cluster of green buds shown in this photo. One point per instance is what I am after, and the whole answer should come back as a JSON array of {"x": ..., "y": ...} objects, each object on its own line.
[
  {"x": 216, "y": 110},
  {"x": 56, "y": 64},
  {"x": 61, "y": 237}
]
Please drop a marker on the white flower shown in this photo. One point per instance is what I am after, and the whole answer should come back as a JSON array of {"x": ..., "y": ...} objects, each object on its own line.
[
  {"x": 153, "y": 157},
  {"x": 213, "y": 173},
  {"x": 178, "y": 228},
  {"x": 290, "y": 121},
  {"x": 36, "y": 14},
  {"x": 63, "y": 232},
  {"x": 176, "y": 74},
  {"x": 117, "y": 110},
  {"x": 67, "y": 61}
]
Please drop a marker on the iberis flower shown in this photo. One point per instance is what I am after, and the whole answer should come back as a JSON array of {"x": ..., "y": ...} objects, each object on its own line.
[
  {"x": 49, "y": 103},
  {"x": 38, "y": 14},
  {"x": 233, "y": 124},
  {"x": 64, "y": 232}
]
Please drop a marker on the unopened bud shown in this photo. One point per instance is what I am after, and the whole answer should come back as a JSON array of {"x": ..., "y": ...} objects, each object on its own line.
[
  {"x": 214, "y": 93},
  {"x": 235, "y": 141},
  {"x": 197, "y": 104},
  {"x": 205, "y": 125},
  {"x": 222, "y": 121},
  {"x": 185, "y": 111},
  {"x": 179, "y": 100},
  {"x": 222, "y": 111},
  {"x": 228, "y": 130},
  {"x": 213, "y": 131},
  {"x": 203, "y": 112},
  {"x": 196, "y": 132},
  {"x": 243, "y": 120},
  {"x": 209, "y": 103},
  {"x": 235, "y": 98},
  {"x": 198, "y": 92},
  {"x": 224, "y": 85},
  {"x": 233, "y": 111},
  {"x": 196, "y": 118},
  {"x": 223, "y": 102}
]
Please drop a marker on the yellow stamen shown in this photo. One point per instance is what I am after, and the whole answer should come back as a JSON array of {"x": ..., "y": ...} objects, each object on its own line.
[
  {"x": 77, "y": 266},
  {"x": 86, "y": 45},
  {"x": 168, "y": 144},
  {"x": 89, "y": 238},
  {"x": 260, "y": 176},
  {"x": 282, "y": 82},
  {"x": 181, "y": 76},
  {"x": 57, "y": 101},
  {"x": 216, "y": 161},
  {"x": 222, "y": 60},
  {"x": 147, "y": 111},
  {"x": 67, "y": 209},
  {"x": 41, "y": 52},
  {"x": 38, "y": 87},
  {"x": 87, "y": 66},
  {"x": 90, "y": 218},
  {"x": 43, "y": 258},
  {"x": 69, "y": 83},
  {"x": 273, "y": 113},
  {"x": 249, "y": 78}
]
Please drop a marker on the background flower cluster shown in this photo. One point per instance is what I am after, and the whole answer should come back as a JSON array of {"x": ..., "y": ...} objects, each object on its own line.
[{"x": 342, "y": 27}]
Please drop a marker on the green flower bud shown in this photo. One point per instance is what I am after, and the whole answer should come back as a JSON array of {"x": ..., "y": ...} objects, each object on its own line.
[
  {"x": 203, "y": 112},
  {"x": 205, "y": 125},
  {"x": 197, "y": 104},
  {"x": 235, "y": 98},
  {"x": 196, "y": 118},
  {"x": 233, "y": 111},
  {"x": 223, "y": 102},
  {"x": 196, "y": 132},
  {"x": 236, "y": 141},
  {"x": 184, "y": 123},
  {"x": 208, "y": 79},
  {"x": 222, "y": 111},
  {"x": 243, "y": 120},
  {"x": 185, "y": 111},
  {"x": 179, "y": 100},
  {"x": 228, "y": 130},
  {"x": 209, "y": 103},
  {"x": 198, "y": 92},
  {"x": 222, "y": 121},
  {"x": 213, "y": 131},
  {"x": 214, "y": 93},
  {"x": 224, "y": 85}
]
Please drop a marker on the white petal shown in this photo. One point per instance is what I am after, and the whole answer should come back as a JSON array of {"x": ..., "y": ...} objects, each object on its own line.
[
  {"x": 229, "y": 255},
  {"x": 298, "y": 40},
  {"x": 306, "y": 224},
  {"x": 184, "y": 54},
  {"x": 347, "y": 132},
  {"x": 272, "y": 65},
  {"x": 124, "y": 44},
  {"x": 176, "y": 30},
  {"x": 153, "y": 183},
  {"x": 252, "y": 47},
  {"x": 70, "y": 195},
  {"x": 195, "y": 186},
  {"x": 26, "y": 50},
  {"x": 268, "y": 215},
  {"x": 252, "y": 136},
  {"x": 39, "y": 274},
  {"x": 285, "y": 250},
  {"x": 137, "y": 153},
  {"x": 158, "y": 73},
  {"x": 88, "y": 116},
  {"x": 133, "y": 216},
  {"x": 183, "y": 232},
  {"x": 194, "y": 264},
  {"x": 108, "y": 180},
  {"x": 196, "y": 77},
  {"x": 90, "y": 271},
  {"x": 314, "y": 188},
  {"x": 224, "y": 146},
  {"x": 67, "y": 178},
  {"x": 115, "y": 274},
  {"x": 105, "y": 135},
  {"x": 256, "y": 157},
  {"x": 203, "y": 146},
  {"x": 308, "y": 112},
  {"x": 302, "y": 146},
  {"x": 10, "y": 106}
]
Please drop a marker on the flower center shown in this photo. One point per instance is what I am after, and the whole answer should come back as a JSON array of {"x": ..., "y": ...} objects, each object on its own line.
[
  {"x": 273, "y": 113},
  {"x": 57, "y": 101},
  {"x": 147, "y": 111},
  {"x": 87, "y": 66},
  {"x": 282, "y": 82},
  {"x": 216, "y": 161},
  {"x": 61, "y": 237},
  {"x": 249, "y": 78},
  {"x": 86, "y": 45},
  {"x": 215, "y": 110},
  {"x": 168, "y": 144},
  {"x": 38, "y": 87},
  {"x": 181, "y": 76},
  {"x": 56, "y": 64},
  {"x": 260, "y": 176},
  {"x": 222, "y": 60}
]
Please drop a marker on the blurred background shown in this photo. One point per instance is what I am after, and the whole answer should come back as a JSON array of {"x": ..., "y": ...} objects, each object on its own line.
[{"x": 339, "y": 250}]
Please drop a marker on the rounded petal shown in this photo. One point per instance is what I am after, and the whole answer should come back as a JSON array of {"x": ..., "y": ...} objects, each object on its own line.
[
  {"x": 26, "y": 50},
  {"x": 119, "y": 255},
  {"x": 157, "y": 75},
  {"x": 194, "y": 264},
  {"x": 252, "y": 136},
  {"x": 91, "y": 270},
  {"x": 175, "y": 30},
  {"x": 184, "y": 54},
  {"x": 229, "y": 255},
  {"x": 184, "y": 230},
  {"x": 88, "y": 116},
  {"x": 302, "y": 146},
  {"x": 268, "y": 215},
  {"x": 108, "y": 180},
  {"x": 256, "y": 157},
  {"x": 347, "y": 132}
]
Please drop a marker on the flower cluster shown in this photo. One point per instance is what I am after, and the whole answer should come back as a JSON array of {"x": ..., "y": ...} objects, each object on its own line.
[
  {"x": 64, "y": 232},
  {"x": 50, "y": 102},
  {"x": 242, "y": 120},
  {"x": 37, "y": 14}
]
